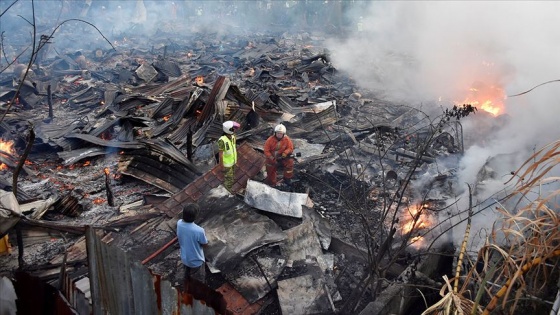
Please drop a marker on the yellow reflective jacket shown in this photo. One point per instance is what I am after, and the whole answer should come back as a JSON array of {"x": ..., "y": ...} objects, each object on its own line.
[{"x": 227, "y": 145}]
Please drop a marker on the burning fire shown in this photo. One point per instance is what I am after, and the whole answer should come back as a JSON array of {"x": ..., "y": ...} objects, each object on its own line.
[
  {"x": 489, "y": 98},
  {"x": 415, "y": 218},
  {"x": 8, "y": 147},
  {"x": 98, "y": 201},
  {"x": 199, "y": 80}
]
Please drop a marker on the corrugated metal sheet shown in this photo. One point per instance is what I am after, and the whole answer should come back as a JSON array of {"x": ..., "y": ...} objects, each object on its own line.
[
  {"x": 249, "y": 164},
  {"x": 121, "y": 286}
]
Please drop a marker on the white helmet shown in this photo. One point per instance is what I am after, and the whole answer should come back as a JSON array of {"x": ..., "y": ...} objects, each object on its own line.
[
  {"x": 280, "y": 128},
  {"x": 230, "y": 126}
]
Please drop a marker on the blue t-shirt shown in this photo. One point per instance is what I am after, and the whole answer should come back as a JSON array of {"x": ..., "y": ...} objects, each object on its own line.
[{"x": 191, "y": 237}]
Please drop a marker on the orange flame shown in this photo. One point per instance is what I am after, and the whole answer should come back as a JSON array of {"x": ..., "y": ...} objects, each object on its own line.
[
  {"x": 166, "y": 118},
  {"x": 489, "y": 98},
  {"x": 106, "y": 170},
  {"x": 8, "y": 147},
  {"x": 199, "y": 80},
  {"x": 415, "y": 218}
]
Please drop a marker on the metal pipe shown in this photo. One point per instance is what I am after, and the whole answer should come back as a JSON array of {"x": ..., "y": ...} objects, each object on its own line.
[{"x": 173, "y": 241}]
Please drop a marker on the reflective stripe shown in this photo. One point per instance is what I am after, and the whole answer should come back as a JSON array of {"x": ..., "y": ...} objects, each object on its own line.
[{"x": 229, "y": 156}]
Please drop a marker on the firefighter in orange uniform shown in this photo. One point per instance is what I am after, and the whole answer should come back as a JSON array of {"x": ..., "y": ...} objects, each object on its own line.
[{"x": 279, "y": 149}]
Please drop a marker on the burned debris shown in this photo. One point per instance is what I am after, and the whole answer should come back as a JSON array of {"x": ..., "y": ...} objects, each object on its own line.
[{"x": 125, "y": 136}]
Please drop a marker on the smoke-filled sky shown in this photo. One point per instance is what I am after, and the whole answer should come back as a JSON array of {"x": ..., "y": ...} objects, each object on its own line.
[{"x": 414, "y": 52}]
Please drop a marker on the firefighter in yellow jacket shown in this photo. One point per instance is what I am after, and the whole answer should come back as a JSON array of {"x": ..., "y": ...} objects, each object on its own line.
[
  {"x": 228, "y": 152},
  {"x": 279, "y": 150}
]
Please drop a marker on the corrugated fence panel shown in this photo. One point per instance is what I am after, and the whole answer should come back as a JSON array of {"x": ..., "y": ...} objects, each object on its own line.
[
  {"x": 143, "y": 290},
  {"x": 121, "y": 286}
]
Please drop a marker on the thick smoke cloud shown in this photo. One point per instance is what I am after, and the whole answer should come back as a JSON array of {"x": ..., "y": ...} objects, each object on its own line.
[{"x": 434, "y": 51}]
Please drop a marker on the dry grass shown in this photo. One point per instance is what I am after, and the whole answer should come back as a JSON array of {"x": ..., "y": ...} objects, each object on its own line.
[{"x": 525, "y": 238}]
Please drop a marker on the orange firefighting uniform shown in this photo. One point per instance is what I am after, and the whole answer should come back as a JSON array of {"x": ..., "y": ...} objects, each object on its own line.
[{"x": 277, "y": 151}]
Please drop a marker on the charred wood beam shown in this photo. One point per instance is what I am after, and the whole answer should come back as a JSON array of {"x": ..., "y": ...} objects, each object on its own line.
[
  {"x": 47, "y": 266},
  {"x": 62, "y": 273},
  {"x": 413, "y": 155},
  {"x": 59, "y": 227},
  {"x": 109, "y": 189},
  {"x": 74, "y": 229},
  {"x": 19, "y": 240},
  {"x": 23, "y": 157},
  {"x": 133, "y": 219},
  {"x": 49, "y": 101}
]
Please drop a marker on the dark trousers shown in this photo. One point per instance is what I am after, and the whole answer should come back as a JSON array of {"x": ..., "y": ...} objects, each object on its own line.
[{"x": 198, "y": 273}]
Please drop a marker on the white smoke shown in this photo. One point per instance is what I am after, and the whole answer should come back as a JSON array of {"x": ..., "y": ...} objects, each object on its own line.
[{"x": 422, "y": 51}]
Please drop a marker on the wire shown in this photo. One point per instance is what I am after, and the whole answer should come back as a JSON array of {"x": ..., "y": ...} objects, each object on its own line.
[{"x": 533, "y": 88}]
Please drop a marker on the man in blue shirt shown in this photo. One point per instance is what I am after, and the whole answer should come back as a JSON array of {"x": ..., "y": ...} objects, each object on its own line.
[{"x": 192, "y": 239}]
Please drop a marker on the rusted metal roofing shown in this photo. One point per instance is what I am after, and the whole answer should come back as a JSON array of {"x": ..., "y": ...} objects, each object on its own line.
[
  {"x": 120, "y": 285},
  {"x": 237, "y": 304},
  {"x": 217, "y": 94},
  {"x": 249, "y": 164}
]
